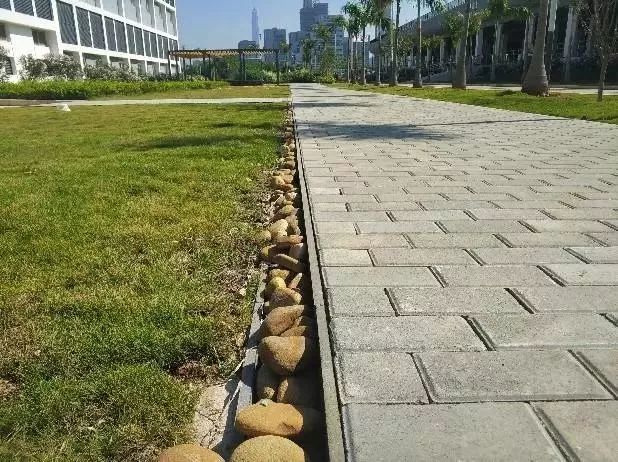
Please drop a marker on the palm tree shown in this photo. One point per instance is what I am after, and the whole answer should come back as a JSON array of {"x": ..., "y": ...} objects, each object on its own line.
[
  {"x": 380, "y": 19},
  {"x": 351, "y": 28},
  {"x": 459, "y": 27},
  {"x": 362, "y": 14},
  {"x": 356, "y": 18},
  {"x": 535, "y": 82},
  {"x": 498, "y": 11},
  {"x": 308, "y": 46},
  {"x": 434, "y": 5},
  {"x": 395, "y": 52}
]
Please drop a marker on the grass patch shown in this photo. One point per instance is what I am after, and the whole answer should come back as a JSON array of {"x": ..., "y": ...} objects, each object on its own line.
[
  {"x": 558, "y": 104},
  {"x": 226, "y": 91},
  {"x": 126, "y": 234}
]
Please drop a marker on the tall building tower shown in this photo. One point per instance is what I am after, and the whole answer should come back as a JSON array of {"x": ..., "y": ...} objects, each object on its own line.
[
  {"x": 307, "y": 3},
  {"x": 255, "y": 27}
]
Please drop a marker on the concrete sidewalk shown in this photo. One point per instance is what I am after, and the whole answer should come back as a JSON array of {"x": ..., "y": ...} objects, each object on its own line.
[{"x": 470, "y": 260}]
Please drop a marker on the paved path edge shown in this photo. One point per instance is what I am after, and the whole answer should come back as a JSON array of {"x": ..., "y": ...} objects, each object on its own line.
[{"x": 332, "y": 407}]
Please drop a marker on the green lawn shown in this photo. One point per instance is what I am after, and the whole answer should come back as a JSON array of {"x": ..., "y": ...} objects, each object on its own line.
[
  {"x": 125, "y": 237},
  {"x": 558, "y": 104},
  {"x": 230, "y": 91}
]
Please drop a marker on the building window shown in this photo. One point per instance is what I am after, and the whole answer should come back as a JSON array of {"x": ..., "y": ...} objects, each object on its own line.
[
  {"x": 83, "y": 24},
  {"x": 147, "y": 43},
  {"x": 131, "y": 37},
  {"x": 68, "y": 33},
  {"x": 3, "y": 34},
  {"x": 98, "y": 37},
  {"x": 39, "y": 37},
  {"x": 5, "y": 4},
  {"x": 24, "y": 6},
  {"x": 7, "y": 66},
  {"x": 111, "y": 36},
  {"x": 44, "y": 9},
  {"x": 121, "y": 37},
  {"x": 139, "y": 41}
]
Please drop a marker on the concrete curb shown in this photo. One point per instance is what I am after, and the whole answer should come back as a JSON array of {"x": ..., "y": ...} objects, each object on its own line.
[{"x": 332, "y": 414}]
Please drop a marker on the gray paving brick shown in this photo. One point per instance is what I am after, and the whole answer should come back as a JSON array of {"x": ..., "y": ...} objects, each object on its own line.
[
  {"x": 344, "y": 257},
  {"x": 580, "y": 226},
  {"x": 453, "y": 300},
  {"x": 331, "y": 227},
  {"x": 430, "y": 215},
  {"x": 480, "y": 432},
  {"x": 597, "y": 254},
  {"x": 454, "y": 240},
  {"x": 483, "y": 226},
  {"x": 405, "y": 333},
  {"x": 381, "y": 277},
  {"x": 508, "y": 214},
  {"x": 605, "y": 365},
  {"x": 548, "y": 239},
  {"x": 530, "y": 204},
  {"x": 350, "y": 216},
  {"x": 359, "y": 301},
  {"x": 329, "y": 207},
  {"x": 457, "y": 205},
  {"x": 586, "y": 275},
  {"x": 361, "y": 241},
  {"x": 332, "y": 198},
  {"x": 589, "y": 429},
  {"x": 454, "y": 377},
  {"x": 609, "y": 238},
  {"x": 398, "y": 227},
  {"x": 366, "y": 206},
  {"x": 524, "y": 256},
  {"x": 493, "y": 276},
  {"x": 546, "y": 331},
  {"x": 569, "y": 299},
  {"x": 583, "y": 214},
  {"x": 421, "y": 257},
  {"x": 380, "y": 377},
  {"x": 409, "y": 197}
]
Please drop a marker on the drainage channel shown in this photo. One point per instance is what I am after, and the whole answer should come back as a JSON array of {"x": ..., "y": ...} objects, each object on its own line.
[{"x": 287, "y": 404}]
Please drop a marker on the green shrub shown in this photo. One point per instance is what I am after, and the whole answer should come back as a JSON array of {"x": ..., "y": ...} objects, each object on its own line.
[
  {"x": 300, "y": 76},
  {"x": 51, "y": 66},
  {"x": 107, "y": 72},
  {"x": 88, "y": 89}
]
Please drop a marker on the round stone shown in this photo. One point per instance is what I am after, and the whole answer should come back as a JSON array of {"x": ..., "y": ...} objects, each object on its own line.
[
  {"x": 269, "y": 449},
  {"x": 288, "y": 355},
  {"x": 189, "y": 453},
  {"x": 270, "y": 418}
]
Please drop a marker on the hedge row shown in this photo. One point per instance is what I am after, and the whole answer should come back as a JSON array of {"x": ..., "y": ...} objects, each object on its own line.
[{"x": 88, "y": 89}]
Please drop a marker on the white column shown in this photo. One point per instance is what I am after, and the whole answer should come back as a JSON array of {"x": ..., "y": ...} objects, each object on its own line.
[
  {"x": 571, "y": 29},
  {"x": 442, "y": 50},
  {"x": 498, "y": 42},
  {"x": 478, "y": 51}
]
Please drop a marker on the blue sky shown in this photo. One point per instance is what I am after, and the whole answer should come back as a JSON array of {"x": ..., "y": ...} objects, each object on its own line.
[{"x": 223, "y": 23}]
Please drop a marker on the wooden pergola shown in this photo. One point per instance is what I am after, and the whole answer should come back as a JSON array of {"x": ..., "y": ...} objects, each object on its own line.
[{"x": 242, "y": 54}]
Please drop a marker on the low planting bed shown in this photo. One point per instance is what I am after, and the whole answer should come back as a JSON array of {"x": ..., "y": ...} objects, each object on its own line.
[
  {"x": 94, "y": 89},
  {"x": 127, "y": 242}
]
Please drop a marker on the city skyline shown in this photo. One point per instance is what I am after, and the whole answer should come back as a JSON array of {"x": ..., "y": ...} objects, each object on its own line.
[{"x": 210, "y": 24}]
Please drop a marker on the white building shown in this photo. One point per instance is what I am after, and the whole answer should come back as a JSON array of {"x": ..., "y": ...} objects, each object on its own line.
[{"x": 138, "y": 33}]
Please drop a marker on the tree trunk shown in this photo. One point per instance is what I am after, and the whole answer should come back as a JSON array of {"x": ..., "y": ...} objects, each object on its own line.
[
  {"x": 535, "y": 82},
  {"x": 418, "y": 79},
  {"x": 395, "y": 46},
  {"x": 379, "y": 56},
  {"x": 460, "y": 71},
  {"x": 604, "y": 61},
  {"x": 494, "y": 55},
  {"x": 349, "y": 76},
  {"x": 364, "y": 73}
]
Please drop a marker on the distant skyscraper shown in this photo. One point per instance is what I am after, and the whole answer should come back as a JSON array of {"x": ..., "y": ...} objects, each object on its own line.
[
  {"x": 307, "y": 3},
  {"x": 255, "y": 26}
]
